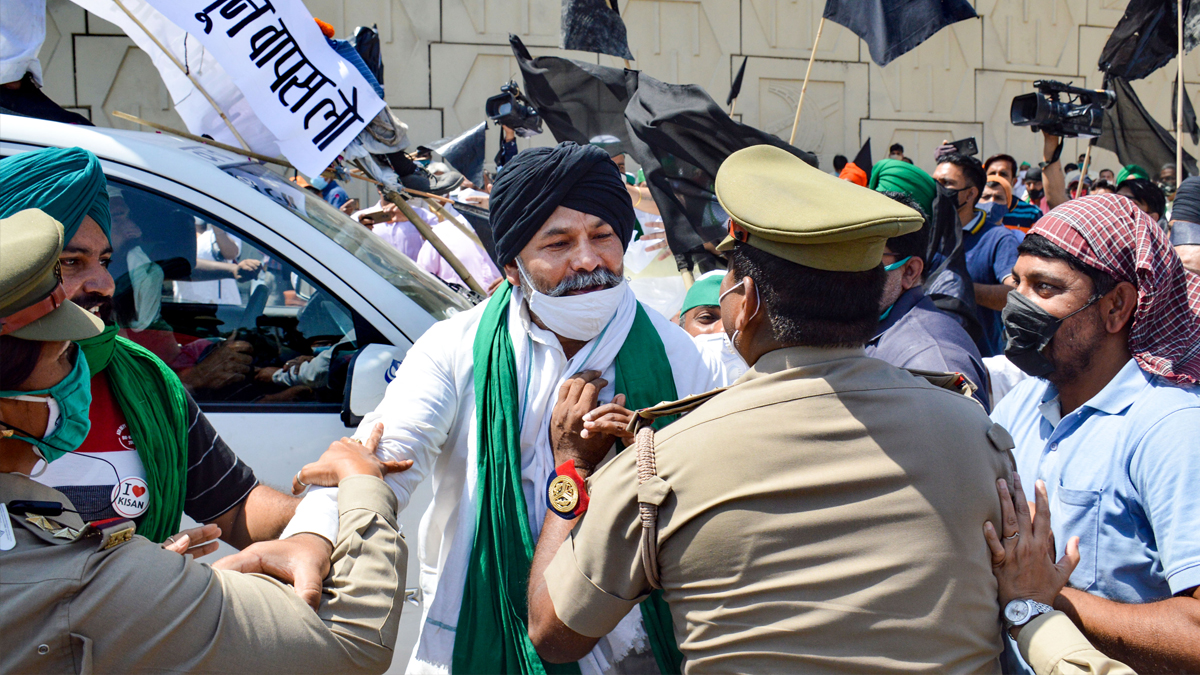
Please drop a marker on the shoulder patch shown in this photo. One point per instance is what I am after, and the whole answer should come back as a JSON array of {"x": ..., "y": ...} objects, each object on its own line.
[
  {"x": 955, "y": 382},
  {"x": 646, "y": 416},
  {"x": 1000, "y": 439}
]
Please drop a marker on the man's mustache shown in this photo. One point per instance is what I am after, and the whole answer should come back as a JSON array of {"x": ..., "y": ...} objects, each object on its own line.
[{"x": 602, "y": 277}]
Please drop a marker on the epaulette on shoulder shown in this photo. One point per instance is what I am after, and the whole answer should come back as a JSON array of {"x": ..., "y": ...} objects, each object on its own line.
[
  {"x": 646, "y": 416},
  {"x": 955, "y": 382}
]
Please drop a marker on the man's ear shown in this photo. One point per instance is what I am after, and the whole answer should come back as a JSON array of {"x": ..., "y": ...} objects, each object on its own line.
[
  {"x": 1118, "y": 307},
  {"x": 750, "y": 303},
  {"x": 513, "y": 274},
  {"x": 912, "y": 273}
]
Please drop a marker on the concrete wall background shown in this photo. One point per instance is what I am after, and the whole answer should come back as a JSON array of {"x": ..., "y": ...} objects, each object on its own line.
[{"x": 443, "y": 58}]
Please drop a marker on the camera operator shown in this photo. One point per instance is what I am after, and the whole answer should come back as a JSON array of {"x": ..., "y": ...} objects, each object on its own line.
[{"x": 1054, "y": 180}]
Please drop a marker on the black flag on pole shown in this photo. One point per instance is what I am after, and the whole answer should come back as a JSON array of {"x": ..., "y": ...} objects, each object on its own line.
[
  {"x": 680, "y": 136},
  {"x": 1189, "y": 113},
  {"x": 465, "y": 152},
  {"x": 1146, "y": 38},
  {"x": 1133, "y": 134},
  {"x": 577, "y": 100},
  {"x": 892, "y": 28},
  {"x": 735, "y": 89},
  {"x": 863, "y": 159},
  {"x": 594, "y": 26}
]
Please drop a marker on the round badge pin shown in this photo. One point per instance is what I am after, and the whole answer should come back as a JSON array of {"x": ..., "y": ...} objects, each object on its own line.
[{"x": 131, "y": 497}]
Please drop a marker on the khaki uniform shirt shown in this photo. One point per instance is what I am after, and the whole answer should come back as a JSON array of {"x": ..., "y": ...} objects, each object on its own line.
[
  {"x": 71, "y": 607},
  {"x": 1052, "y": 645},
  {"x": 826, "y": 515}
]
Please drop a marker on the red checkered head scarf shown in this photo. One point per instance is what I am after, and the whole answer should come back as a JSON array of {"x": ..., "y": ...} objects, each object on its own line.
[{"x": 1111, "y": 234}]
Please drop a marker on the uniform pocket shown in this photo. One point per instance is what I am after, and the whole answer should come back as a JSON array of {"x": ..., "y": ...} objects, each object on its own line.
[{"x": 1076, "y": 513}]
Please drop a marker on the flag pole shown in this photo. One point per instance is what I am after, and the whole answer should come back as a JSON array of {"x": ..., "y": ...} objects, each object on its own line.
[
  {"x": 811, "y": 57},
  {"x": 200, "y": 139},
  {"x": 732, "y": 105},
  {"x": 1087, "y": 160},
  {"x": 436, "y": 241},
  {"x": 1179, "y": 101},
  {"x": 185, "y": 71}
]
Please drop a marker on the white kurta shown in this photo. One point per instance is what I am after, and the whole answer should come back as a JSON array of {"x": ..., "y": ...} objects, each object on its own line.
[{"x": 429, "y": 417}]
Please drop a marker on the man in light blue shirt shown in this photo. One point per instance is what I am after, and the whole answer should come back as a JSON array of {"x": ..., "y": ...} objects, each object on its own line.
[{"x": 1111, "y": 422}]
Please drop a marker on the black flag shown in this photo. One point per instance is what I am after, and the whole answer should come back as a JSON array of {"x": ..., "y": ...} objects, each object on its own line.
[
  {"x": 1189, "y": 113},
  {"x": 465, "y": 152},
  {"x": 680, "y": 136},
  {"x": 1146, "y": 38},
  {"x": 577, "y": 100},
  {"x": 736, "y": 88},
  {"x": 863, "y": 159},
  {"x": 593, "y": 26},
  {"x": 1130, "y": 132},
  {"x": 892, "y": 28}
]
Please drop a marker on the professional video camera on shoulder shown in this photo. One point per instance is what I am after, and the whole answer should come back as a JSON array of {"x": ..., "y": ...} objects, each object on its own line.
[
  {"x": 511, "y": 109},
  {"x": 1081, "y": 114}
]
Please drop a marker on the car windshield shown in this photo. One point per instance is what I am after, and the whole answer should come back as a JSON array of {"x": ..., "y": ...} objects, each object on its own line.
[{"x": 420, "y": 286}]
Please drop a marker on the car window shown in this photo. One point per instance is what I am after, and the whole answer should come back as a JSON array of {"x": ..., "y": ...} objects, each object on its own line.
[
  {"x": 236, "y": 322},
  {"x": 429, "y": 292}
]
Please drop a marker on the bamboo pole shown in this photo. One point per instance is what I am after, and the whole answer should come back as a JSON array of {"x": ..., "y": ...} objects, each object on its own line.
[
  {"x": 1179, "y": 101},
  {"x": 183, "y": 69},
  {"x": 1087, "y": 161},
  {"x": 429, "y": 236},
  {"x": 688, "y": 278},
  {"x": 732, "y": 105},
  {"x": 811, "y": 57},
  {"x": 200, "y": 139}
]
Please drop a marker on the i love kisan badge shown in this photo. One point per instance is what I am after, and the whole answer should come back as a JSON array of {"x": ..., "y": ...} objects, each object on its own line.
[{"x": 131, "y": 497}]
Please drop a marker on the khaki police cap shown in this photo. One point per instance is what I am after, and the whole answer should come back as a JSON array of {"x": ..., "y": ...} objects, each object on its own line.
[
  {"x": 33, "y": 303},
  {"x": 779, "y": 204}
]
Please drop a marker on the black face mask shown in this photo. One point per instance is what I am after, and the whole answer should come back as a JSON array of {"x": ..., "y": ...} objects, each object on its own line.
[
  {"x": 1028, "y": 329},
  {"x": 1036, "y": 195}
]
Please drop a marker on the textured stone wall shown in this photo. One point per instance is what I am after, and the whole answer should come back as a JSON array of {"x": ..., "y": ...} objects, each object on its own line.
[{"x": 443, "y": 58}]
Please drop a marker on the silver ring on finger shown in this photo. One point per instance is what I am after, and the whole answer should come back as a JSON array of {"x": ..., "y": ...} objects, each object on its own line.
[
  {"x": 1013, "y": 536},
  {"x": 171, "y": 539},
  {"x": 300, "y": 482}
]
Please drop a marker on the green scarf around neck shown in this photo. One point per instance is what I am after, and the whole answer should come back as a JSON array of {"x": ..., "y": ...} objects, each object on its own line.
[
  {"x": 492, "y": 635},
  {"x": 154, "y": 403}
]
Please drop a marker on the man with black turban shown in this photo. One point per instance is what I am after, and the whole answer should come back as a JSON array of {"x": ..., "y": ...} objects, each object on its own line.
[
  {"x": 499, "y": 402},
  {"x": 147, "y": 435}
]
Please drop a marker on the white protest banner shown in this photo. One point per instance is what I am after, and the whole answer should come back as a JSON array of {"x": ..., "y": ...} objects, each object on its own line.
[
  {"x": 312, "y": 100},
  {"x": 200, "y": 116}
]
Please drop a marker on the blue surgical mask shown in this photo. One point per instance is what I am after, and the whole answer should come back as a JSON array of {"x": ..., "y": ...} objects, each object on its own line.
[
  {"x": 72, "y": 399},
  {"x": 319, "y": 182},
  {"x": 995, "y": 211}
]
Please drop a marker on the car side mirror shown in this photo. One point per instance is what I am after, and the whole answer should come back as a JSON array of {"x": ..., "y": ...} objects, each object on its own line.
[{"x": 370, "y": 373}]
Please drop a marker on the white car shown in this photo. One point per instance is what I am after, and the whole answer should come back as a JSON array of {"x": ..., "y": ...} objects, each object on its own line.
[{"x": 326, "y": 286}]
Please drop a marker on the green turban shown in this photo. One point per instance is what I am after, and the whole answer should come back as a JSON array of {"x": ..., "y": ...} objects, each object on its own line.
[
  {"x": 893, "y": 175},
  {"x": 1132, "y": 171},
  {"x": 706, "y": 291},
  {"x": 66, "y": 183}
]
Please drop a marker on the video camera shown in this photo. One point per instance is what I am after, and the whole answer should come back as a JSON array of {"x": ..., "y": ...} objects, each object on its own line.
[
  {"x": 1082, "y": 114},
  {"x": 511, "y": 109}
]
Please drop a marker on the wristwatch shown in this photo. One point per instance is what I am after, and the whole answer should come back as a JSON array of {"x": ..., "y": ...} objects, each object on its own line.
[
  {"x": 566, "y": 493},
  {"x": 1021, "y": 612}
]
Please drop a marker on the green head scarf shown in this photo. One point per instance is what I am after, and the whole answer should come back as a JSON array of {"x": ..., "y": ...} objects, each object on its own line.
[
  {"x": 66, "y": 183},
  {"x": 893, "y": 175},
  {"x": 1132, "y": 171},
  {"x": 706, "y": 291}
]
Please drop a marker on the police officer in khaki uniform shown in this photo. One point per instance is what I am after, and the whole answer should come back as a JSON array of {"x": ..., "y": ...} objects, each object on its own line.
[
  {"x": 95, "y": 598},
  {"x": 824, "y": 513}
]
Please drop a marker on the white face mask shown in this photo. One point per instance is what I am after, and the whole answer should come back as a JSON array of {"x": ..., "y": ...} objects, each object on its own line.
[
  {"x": 52, "y": 421},
  {"x": 575, "y": 317}
]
